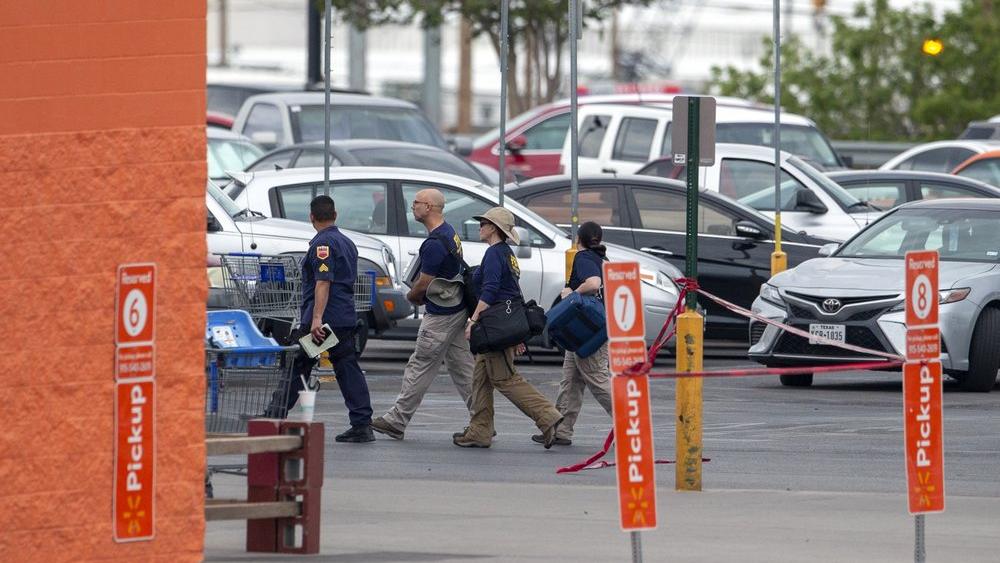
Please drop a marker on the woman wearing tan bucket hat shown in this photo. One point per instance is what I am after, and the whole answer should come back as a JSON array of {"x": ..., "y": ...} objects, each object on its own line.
[{"x": 497, "y": 278}]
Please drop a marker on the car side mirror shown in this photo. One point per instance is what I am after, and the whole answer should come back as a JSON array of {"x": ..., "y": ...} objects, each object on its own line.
[
  {"x": 266, "y": 139},
  {"x": 749, "y": 230},
  {"x": 847, "y": 160},
  {"x": 213, "y": 224},
  {"x": 461, "y": 146},
  {"x": 828, "y": 249},
  {"x": 806, "y": 200},
  {"x": 523, "y": 249},
  {"x": 470, "y": 230},
  {"x": 517, "y": 144}
]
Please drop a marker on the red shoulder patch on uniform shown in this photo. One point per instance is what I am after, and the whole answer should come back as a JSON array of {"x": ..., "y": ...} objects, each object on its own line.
[{"x": 322, "y": 252}]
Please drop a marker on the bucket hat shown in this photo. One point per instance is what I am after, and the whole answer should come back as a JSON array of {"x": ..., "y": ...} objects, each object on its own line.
[
  {"x": 503, "y": 219},
  {"x": 445, "y": 292}
]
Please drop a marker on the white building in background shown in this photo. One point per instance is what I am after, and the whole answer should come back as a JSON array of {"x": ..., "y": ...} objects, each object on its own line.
[{"x": 679, "y": 40}]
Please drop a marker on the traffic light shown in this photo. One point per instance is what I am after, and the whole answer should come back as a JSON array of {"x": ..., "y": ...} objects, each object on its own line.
[{"x": 933, "y": 47}]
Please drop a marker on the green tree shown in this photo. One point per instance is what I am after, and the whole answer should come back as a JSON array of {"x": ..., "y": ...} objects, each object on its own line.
[
  {"x": 878, "y": 84},
  {"x": 538, "y": 34}
]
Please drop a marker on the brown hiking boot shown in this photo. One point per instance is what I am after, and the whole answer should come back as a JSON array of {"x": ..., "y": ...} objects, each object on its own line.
[
  {"x": 540, "y": 438},
  {"x": 382, "y": 427},
  {"x": 463, "y": 442},
  {"x": 466, "y": 429}
]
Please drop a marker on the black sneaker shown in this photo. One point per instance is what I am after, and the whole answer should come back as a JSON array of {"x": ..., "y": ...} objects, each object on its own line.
[
  {"x": 357, "y": 434},
  {"x": 558, "y": 442}
]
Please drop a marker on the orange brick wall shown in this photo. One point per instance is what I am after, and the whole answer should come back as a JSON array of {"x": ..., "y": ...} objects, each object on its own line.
[{"x": 102, "y": 162}]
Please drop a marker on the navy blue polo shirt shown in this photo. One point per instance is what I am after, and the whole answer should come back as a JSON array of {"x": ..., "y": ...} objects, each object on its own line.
[
  {"x": 498, "y": 274},
  {"x": 437, "y": 261},
  {"x": 586, "y": 264},
  {"x": 334, "y": 258}
]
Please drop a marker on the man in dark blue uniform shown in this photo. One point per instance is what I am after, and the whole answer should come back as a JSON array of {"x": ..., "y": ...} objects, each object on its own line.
[{"x": 329, "y": 270}]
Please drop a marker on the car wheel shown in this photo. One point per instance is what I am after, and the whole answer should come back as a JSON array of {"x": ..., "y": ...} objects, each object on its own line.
[
  {"x": 800, "y": 380},
  {"x": 984, "y": 354}
]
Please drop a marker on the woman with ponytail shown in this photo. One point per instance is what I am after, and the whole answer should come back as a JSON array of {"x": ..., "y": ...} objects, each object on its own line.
[{"x": 591, "y": 372}]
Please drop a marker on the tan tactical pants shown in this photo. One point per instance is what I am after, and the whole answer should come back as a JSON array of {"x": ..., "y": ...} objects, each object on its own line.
[
  {"x": 441, "y": 338},
  {"x": 592, "y": 373},
  {"x": 495, "y": 370}
]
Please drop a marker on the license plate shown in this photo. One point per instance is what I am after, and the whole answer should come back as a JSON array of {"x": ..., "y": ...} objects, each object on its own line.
[{"x": 830, "y": 332}]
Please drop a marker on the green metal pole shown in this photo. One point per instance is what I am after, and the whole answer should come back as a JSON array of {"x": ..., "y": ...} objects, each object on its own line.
[{"x": 691, "y": 249}]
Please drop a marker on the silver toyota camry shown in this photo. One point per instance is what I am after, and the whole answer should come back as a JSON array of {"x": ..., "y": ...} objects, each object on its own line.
[{"x": 854, "y": 293}]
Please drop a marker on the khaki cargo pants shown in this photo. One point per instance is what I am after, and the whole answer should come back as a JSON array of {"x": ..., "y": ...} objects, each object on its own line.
[
  {"x": 592, "y": 373},
  {"x": 441, "y": 338},
  {"x": 495, "y": 370}
]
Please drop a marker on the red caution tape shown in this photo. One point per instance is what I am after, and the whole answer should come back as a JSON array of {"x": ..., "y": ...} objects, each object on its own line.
[
  {"x": 686, "y": 285},
  {"x": 595, "y": 461},
  {"x": 748, "y": 372}
]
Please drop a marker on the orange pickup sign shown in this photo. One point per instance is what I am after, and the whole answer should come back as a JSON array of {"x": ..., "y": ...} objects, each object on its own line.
[
  {"x": 135, "y": 445},
  {"x": 634, "y": 453},
  {"x": 924, "y": 436}
]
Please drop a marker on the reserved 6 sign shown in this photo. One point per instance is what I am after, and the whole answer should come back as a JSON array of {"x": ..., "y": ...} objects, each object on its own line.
[{"x": 135, "y": 314}]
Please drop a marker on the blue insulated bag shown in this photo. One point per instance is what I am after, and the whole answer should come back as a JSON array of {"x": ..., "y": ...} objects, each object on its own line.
[{"x": 577, "y": 324}]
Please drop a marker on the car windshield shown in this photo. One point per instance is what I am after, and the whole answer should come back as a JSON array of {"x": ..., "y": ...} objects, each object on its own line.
[
  {"x": 986, "y": 170},
  {"x": 764, "y": 199},
  {"x": 493, "y": 135},
  {"x": 437, "y": 161},
  {"x": 835, "y": 190},
  {"x": 801, "y": 140},
  {"x": 230, "y": 154},
  {"x": 366, "y": 122},
  {"x": 232, "y": 209},
  {"x": 959, "y": 235}
]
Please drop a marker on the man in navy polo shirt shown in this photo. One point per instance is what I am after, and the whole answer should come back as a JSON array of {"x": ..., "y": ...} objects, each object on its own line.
[
  {"x": 442, "y": 330},
  {"x": 329, "y": 270}
]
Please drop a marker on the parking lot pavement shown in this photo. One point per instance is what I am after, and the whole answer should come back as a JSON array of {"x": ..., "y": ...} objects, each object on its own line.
[
  {"x": 795, "y": 474},
  {"x": 391, "y": 520}
]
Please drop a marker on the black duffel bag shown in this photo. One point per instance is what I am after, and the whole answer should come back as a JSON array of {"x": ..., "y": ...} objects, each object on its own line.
[{"x": 501, "y": 326}]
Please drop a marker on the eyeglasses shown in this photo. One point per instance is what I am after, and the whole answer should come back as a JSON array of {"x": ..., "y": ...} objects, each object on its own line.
[
  {"x": 484, "y": 224},
  {"x": 415, "y": 202}
]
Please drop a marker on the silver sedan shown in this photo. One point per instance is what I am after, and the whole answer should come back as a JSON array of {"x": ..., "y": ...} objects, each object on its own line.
[{"x": 855, "y": 293}]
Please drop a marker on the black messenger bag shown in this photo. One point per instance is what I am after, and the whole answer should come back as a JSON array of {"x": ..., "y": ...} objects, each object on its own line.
[{"x": 501, "y": 326}]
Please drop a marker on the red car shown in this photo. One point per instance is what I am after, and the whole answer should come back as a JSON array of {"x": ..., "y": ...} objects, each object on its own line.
[{"x": 535, "y": 138}]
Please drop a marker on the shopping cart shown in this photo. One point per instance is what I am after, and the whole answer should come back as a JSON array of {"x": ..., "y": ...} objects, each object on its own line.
[
  {"x": 364, "y": 291},
  {"x": 247, "y": 376},
  {"x": 270, "y": 287},
  {"x": 245, "y": 383},
  {"x": 267, "y": 287}
]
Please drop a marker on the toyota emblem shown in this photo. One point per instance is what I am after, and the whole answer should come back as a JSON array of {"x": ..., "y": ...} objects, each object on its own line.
[{"x": 831, "y": 305}]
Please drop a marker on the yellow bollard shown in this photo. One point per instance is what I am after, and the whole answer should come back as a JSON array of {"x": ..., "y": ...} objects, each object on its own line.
[
  {"x": 690, "y": 333},
  {"x": 570, "y": 255},
  {"x": 779, "y": 262}
]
